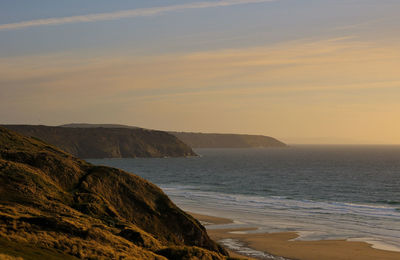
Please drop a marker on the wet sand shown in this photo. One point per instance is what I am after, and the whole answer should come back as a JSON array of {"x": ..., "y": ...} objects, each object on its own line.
[
  {"x": 210, "y": 220},
  {"x": 281, "y": 244}
]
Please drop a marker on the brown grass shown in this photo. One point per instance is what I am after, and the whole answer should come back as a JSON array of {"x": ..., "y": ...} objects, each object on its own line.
[{"x": 52, "y": 204}]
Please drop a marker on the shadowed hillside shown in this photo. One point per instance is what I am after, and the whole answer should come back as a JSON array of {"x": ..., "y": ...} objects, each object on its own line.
[
  {"x": 53, "y": 205},
  {"x": 200, "y": 140},
  {"x": 99, "y": 142}
]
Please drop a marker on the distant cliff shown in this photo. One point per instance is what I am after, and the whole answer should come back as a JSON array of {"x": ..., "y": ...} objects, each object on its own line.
[
  {"x": 55, "y": 206},
  {"x": 86, "y": 125},
  {"x": 100, "y": 142},
  {"x": 200, "y": 140}
]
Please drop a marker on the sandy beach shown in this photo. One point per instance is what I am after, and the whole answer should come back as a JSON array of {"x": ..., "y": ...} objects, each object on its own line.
[
  {"x": 282, "y": 244},
  {"x": 210, "y": 220}
]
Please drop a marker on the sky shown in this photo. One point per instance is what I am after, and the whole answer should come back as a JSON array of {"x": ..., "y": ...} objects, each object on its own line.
[{"x": 303, "y": 71}]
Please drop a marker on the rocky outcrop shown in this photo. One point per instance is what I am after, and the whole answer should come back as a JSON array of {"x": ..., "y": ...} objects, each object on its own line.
[{"x": 53, "y": 205}]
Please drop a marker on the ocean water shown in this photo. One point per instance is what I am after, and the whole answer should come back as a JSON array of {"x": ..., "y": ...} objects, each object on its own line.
[{"x": 321, "y": 192}]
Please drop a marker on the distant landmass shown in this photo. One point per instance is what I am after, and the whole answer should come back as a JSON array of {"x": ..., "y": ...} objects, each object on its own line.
[
  {"x": 55, "y": 206},
  {"x": 206, "y": 140},
  {"x": 85, "y": 125},
  {"x": 87, "y": 141},
  {"x": 202, "y": 140},
  {"x": 122, "y": 141}
]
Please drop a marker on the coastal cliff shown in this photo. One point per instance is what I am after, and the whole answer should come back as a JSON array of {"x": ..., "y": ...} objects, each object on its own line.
[
  {"x": 205, "y": 140},
  {"x": 201, "y": 140},
  {"x": 101, "y": 142},
  {"x": 55, "y": 206}
]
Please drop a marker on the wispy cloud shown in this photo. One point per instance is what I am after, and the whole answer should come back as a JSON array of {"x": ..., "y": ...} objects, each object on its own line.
[
  {"x": 320, "y": 65},
  {"x": 125, "y": 14}
]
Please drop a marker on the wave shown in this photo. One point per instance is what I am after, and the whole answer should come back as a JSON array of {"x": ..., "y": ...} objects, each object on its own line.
[
  {"x": 279, "y": 203},
  {"x": 241, "y": 248},
  {"x": 316, "y": 219}
]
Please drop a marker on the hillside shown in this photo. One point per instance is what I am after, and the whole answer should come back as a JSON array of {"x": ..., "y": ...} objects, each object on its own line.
[
  {"x": 200, "y": 140},
  {"x": 203, "y": 140},
  {"x": 99, "y": 142},
  {"x": 55, "y": 206}
]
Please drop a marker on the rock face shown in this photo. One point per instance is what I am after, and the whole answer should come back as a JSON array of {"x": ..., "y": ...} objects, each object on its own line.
[
  {"x": 200, "y": 140},
  {"x": 55, "y": 206},
  {"x": 99, "y": 142}
]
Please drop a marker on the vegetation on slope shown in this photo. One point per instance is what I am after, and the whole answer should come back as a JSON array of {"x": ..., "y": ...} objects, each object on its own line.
[{"x": 53, "y": 204}]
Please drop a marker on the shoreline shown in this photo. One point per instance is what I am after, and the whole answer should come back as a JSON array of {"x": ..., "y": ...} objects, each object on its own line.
[
  {"x": 210, "y": 220},
  {"x": 283, "y": 245}
]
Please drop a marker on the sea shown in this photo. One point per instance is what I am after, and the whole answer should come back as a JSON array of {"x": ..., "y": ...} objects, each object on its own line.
[{"x": 320, "y": 192}]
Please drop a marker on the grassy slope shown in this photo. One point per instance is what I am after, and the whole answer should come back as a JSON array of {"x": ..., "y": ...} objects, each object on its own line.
[{"x": 52, "y": 203}]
